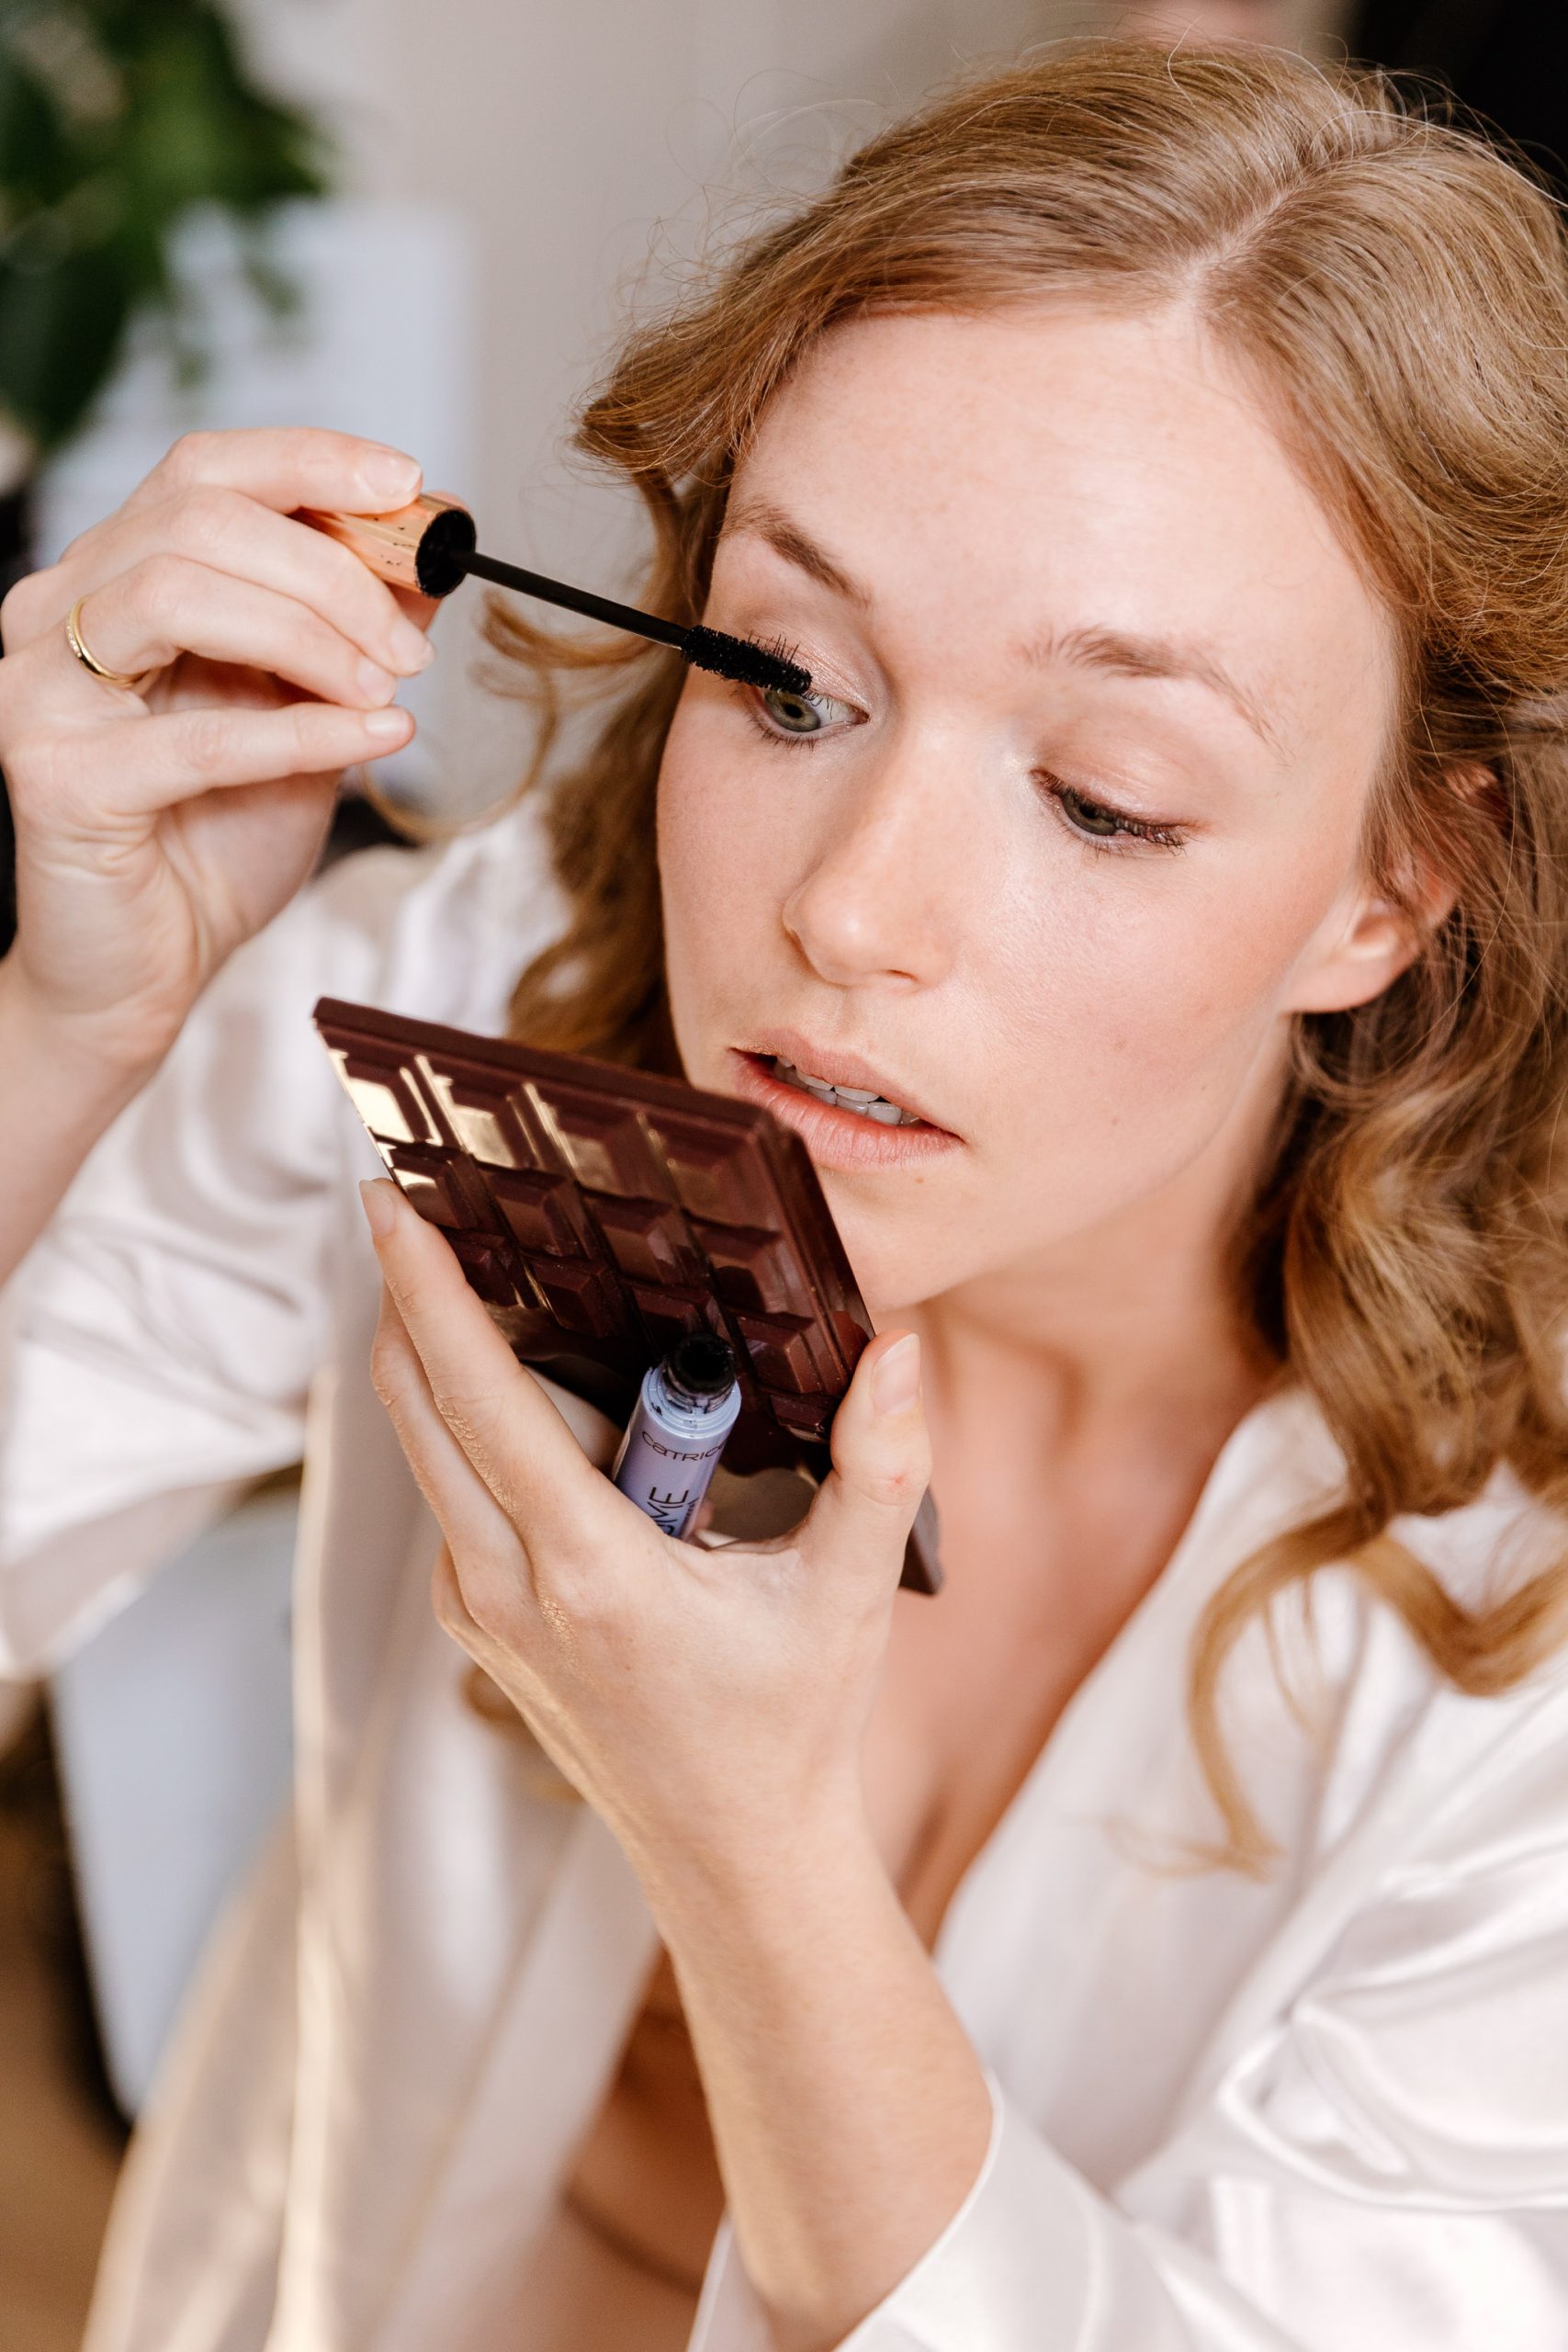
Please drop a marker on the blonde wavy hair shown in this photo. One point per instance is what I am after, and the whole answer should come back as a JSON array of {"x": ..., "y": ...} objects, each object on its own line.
[{"x": 1397, "y": 289}]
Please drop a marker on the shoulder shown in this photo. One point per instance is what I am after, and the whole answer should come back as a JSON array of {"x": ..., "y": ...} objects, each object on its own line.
[
  {"x": 1480, "y": 1559},
  {"x": 1386, "y": 1665},
  {"x": 1434, "y": 1736}
]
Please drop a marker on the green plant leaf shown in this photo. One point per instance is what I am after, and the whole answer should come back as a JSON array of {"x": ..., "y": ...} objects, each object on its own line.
[
  {"x": 60, "y": 332},
  {"x": 118, "y": 117}
]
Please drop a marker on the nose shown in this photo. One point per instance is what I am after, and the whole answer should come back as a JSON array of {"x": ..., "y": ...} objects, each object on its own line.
[{"x": 887, "y": 888}]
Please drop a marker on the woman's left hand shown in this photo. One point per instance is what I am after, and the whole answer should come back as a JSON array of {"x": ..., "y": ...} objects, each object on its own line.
[{"x": 710, "y": 1705}]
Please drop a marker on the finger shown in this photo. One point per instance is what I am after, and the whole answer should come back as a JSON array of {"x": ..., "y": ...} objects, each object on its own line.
[
  {"x": 470, "y": 1518},
  {"x": 228, "y": 533},
  {"x": 485, "y": 1601},
  {"x": 863, "y": 1514},
  {"x": 453, "y": 1615},
  {"x": 499, "y": 1414},
  {"x": 80, "y": 782},
  {"x": 284, "y": 467},
  {"x": 168, "y": 605}
]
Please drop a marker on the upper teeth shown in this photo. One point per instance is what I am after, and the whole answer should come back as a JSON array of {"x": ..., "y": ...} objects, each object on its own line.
[{"x": 859, "y": 1099}]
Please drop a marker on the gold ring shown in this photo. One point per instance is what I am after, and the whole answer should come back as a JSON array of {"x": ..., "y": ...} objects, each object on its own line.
[{"x": 89, "y": 659}]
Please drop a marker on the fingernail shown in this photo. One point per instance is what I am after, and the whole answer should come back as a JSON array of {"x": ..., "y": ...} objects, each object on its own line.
[
  {"x": 374, "y": 683},
  {"x": 387, "y": 724},
  {"x": 412, "y": 650},
  {"x": 388, "y": 474},
  {"x": 378, "y": 1194},
  {"x": 896, "y": 1383}
]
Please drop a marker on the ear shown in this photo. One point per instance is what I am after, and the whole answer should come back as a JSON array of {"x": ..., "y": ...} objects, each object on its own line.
[
  {"x": 1363, "y": 946},
  {"x": 1367, "y": 940}
]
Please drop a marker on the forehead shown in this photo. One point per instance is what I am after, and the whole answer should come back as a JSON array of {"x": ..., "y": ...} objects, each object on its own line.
[{"x": 1059, "y": 468}]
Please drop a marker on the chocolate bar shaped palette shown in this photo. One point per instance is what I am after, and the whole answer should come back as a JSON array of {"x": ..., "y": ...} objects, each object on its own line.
[{"x": 601, "y": 1213}]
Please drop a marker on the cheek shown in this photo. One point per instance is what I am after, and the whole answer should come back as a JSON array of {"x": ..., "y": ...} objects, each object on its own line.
[
  {"x": 710, "y": 816},
  {"x": 723, "y": 841},
  {"x": 1142, "y": 1002},
  {"x": 1114, "y": 1033}
]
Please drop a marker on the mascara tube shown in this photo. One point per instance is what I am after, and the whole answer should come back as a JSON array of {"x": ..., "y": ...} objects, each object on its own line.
[{"x": 688, "y": 1405}]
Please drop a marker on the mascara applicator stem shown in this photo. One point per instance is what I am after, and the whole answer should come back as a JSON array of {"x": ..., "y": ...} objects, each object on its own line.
[
  {"x": 432, "y": 547},
  {"x": 575, "y": 600}
]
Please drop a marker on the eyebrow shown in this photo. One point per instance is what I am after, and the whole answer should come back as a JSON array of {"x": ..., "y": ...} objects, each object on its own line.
[
  {"x": 757, "y": 518},
  {"x": 1125, "y": 654},
  {"x": 1120, "y": 653}
]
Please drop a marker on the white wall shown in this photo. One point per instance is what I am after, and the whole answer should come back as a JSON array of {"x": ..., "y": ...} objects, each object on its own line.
[{"x": 565, "y": 129}]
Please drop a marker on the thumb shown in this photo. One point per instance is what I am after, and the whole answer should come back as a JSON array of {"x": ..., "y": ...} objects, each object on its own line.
[{"x": 882, "y": 1463}]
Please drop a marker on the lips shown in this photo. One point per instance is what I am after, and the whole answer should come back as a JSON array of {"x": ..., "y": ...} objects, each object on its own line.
[
  {"x": 838, "y": 1140},
  {"x": 836, "y": 1067},
  {"x": 861, "y": 1099}
]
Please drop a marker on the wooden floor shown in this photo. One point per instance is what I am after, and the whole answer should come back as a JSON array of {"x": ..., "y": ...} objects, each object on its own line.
[{"x": 59, "y": 2140}]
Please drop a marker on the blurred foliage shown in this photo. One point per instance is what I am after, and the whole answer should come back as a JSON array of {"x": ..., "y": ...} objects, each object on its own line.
[{"x": 116, "y": 118}]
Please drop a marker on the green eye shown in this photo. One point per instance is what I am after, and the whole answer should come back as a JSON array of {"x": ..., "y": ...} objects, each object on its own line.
[{"x": 794, "y": 714}]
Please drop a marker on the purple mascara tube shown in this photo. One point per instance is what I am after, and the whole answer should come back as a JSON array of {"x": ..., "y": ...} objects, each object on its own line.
[{"x": 688, "y": 1405}]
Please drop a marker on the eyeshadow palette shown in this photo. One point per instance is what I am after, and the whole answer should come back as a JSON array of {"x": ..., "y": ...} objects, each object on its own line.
[{"x": 603, "y": 1212}]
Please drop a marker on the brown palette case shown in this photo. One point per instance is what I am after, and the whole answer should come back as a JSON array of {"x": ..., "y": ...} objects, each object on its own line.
[{"x": 601, "y": 1213}]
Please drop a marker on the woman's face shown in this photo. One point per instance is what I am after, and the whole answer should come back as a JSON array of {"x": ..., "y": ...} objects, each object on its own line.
[{"x": 1069, "y": 825}]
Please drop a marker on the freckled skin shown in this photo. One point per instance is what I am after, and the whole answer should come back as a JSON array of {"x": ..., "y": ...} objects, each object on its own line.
[{"x": 1104, "y": 1026}]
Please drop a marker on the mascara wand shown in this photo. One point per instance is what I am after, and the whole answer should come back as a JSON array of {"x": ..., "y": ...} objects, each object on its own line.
[{"x": 433, "y": 546}]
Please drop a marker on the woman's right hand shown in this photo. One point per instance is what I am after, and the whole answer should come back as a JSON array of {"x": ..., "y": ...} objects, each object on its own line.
[{"x": 158, "y": 828}]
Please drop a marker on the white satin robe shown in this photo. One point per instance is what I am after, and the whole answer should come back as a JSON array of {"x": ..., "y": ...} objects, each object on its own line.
[{"x": 1328, "y": 2112}]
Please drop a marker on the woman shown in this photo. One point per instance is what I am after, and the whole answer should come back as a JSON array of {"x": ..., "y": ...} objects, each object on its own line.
[{"x": 1158, "y": 1937}]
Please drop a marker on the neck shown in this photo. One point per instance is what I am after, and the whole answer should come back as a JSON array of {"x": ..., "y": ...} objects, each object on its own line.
[
  {"x": 1136, "y": 1332},
  {"x": 1074, "y": 1425}
]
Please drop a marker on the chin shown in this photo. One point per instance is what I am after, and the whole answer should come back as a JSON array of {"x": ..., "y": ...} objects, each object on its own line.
[{"x": 896, "y": 1264}]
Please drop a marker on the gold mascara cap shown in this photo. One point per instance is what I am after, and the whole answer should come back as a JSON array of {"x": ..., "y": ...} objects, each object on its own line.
[{"x": 423, "y": 547}]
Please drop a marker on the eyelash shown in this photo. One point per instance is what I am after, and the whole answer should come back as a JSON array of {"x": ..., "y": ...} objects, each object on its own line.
[{"x": 1129, "y": 829}]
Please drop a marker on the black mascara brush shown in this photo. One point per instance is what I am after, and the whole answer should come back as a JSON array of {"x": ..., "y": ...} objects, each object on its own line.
[{"x": 433, "y": 546}]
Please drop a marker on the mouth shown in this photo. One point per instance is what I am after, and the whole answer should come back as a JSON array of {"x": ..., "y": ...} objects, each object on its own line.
[
  {"x": 843, "y": 1118},
  {"x": 863, "y": 1102}
]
